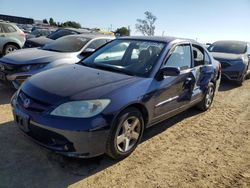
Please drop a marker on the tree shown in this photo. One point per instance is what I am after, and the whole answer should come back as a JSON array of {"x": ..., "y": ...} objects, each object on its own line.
[
  {"x": 71, "y": 24},
  {"x": 146, "y": 26},
  {"x": 123, "y": 31},
  {"x": 45, "y": 21},
  {"x": 52, "y": 22}
]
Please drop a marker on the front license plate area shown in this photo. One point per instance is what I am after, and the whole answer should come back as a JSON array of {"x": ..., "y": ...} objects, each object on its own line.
[{"x": 22, "y": 121}]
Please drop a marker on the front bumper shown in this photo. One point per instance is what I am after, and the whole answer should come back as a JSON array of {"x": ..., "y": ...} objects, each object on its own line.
[
  {"x": 71, "y": 137},
  {"x": 234, "y": 72}
]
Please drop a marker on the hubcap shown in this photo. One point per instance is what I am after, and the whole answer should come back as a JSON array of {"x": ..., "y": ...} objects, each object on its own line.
[
  {"x": 128, "y": 134},
  {"x": 209, "y": 96},
  {"x": 10, "y": 49}
]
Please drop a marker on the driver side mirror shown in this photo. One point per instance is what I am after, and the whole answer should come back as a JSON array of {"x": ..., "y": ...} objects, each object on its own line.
[{"x": 167, "y": 71}]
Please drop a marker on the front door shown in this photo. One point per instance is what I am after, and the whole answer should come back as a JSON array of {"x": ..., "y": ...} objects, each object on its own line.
[{"x": 175, "y": 90}]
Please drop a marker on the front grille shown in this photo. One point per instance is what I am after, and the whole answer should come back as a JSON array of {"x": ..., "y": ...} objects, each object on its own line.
[
  {"x": 30, "y": 103},
  {"x": 224, "y": 64}
]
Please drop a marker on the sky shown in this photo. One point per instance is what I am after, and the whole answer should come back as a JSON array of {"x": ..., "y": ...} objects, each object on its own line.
[{"x": 203, "y": 20}]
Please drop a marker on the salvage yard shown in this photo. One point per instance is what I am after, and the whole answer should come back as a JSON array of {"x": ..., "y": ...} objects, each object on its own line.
[{"x": 192, "y": 149}]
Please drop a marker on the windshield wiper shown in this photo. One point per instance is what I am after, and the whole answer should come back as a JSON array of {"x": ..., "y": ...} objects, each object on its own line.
[
  {"x": 53, "y": 50},
  {"x": 111, "y": 68}
]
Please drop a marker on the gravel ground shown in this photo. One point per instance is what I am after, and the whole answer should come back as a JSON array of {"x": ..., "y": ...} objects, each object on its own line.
[{"x": 193, "y": 149}]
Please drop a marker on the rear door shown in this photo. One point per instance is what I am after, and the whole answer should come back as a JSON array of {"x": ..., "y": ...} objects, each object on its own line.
[
  {"x": 174, "y": 91},
  {"x": 203, "y": 71}
]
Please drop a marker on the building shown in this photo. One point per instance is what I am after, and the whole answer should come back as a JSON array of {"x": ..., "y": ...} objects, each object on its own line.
[{"x": 16, "y": 19}]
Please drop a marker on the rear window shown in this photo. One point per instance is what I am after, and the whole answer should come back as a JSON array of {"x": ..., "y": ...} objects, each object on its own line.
[
  {"x": 60, "y": 33},
  {"x": 228, "y": 47},
  {"x": 67, "y": 44}
]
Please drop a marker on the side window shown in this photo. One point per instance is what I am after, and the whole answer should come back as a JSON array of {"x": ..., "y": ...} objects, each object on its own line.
[
  {"x": 180, "y": 57},
  {"x": 248, "y": 49},
  {"x": 207, "y": 59},
  {"x": 9, "y": 28},
  {"x": 198, "y": 56},
  {"x": 97, "y": 43}
]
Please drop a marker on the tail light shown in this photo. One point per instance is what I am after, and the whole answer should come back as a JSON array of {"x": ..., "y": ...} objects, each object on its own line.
[{"x": 22, "y": 34}]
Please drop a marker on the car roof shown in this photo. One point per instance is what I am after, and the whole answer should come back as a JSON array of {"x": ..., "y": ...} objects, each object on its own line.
[
  {"x": 80, "y": 30},
  {"x": 91, "y": 36},
  {"x": 165, "y": 39},
  {"x": 232, "y": 41}
]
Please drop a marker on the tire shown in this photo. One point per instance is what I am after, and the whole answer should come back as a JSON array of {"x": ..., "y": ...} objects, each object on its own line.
[
  {"x": 9, "y": 48},
  {"x": 207, "y": 101},
  {"x": 125, "y": 134},
  {"x": 243, "y": 78}
]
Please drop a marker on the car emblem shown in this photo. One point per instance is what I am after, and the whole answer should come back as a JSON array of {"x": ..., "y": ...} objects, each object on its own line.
[
  {"x": 26, "y": 103},
  {"x": 1, "y": 67}
]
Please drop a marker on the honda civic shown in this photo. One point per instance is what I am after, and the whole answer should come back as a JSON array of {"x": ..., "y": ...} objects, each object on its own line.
[{"x": 104, "y": 103}]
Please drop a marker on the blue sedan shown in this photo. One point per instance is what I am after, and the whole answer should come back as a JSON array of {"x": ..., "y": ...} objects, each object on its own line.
[{"x": 104, "y": 103}]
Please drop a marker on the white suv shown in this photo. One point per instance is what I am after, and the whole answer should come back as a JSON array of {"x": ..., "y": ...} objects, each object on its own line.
[{"x": 11, "y": 37}]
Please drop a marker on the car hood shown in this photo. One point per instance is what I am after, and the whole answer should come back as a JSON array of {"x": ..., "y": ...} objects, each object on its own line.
[
  {"x": 74, "y": 82},
  {"x": 32, "y": 56},
  {"x": 226, "y": 56},
  {"x": 40, "y": 40}
]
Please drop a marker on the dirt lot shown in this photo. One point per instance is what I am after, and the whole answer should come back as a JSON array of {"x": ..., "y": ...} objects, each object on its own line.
[{"x": 193, "y": 149}]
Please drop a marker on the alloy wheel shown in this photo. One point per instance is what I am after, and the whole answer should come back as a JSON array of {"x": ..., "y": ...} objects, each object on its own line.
[
  {"x": 209, "y": 96},
  {"x": 128, "y": 134},
  {"x": 10, "y": 49}
]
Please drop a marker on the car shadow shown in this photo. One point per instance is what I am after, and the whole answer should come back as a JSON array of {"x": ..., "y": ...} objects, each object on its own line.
[
  {"x": 36, "y": 166},
  {"x": 227, "y": 85},
  {"x": 5, "y": 94},
  {"x": 164, "y": 125}
]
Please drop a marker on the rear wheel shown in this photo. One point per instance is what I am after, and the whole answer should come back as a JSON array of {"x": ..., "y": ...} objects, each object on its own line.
[
  {"x": 207, "y": 101},
  {"x": 9, "y": 48},
  {"x": 125, "y": 134}
]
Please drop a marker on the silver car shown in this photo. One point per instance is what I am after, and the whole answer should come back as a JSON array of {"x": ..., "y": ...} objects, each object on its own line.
[
  {"x": 16, "y": 67},
  {"x": 11, "y": 37}
]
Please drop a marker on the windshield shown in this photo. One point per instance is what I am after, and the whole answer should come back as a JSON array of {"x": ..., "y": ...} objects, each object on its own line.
[
  {"x": 67, "y": 44},
  {"x": 40, "y": 32},
  {"x": 131, "y": 57},
  {"x": 228, "y": 47}
]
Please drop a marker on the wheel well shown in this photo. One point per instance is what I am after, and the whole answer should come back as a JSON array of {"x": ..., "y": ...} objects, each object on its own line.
[
  {"x": 12, "y": 43},
  {"x": 142, "y": 109}
]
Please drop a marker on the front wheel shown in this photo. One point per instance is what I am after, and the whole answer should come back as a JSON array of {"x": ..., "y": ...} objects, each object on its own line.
[
  {"x": 9, "y": 48},
  {"x": 242, "y": 79},
  {"x": 125, "y": 134},
  {"x": 207, "y": 101}
]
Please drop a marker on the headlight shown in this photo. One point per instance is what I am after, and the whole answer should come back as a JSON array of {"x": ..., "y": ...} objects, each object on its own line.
[
  {"x": 32, "y": 67},
  {"x": 81, "y": 109}
]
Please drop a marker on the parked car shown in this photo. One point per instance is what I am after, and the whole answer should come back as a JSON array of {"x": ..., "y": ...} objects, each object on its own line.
[
  {"x": 103, "y": 105},
  {"x": 39, "y": 33},
  {"x": 17, "y": 67},
  {"x": 11, "y": 37},
  {"x": 41, "y": 41},
  {"x": 234, "y": 57}
]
